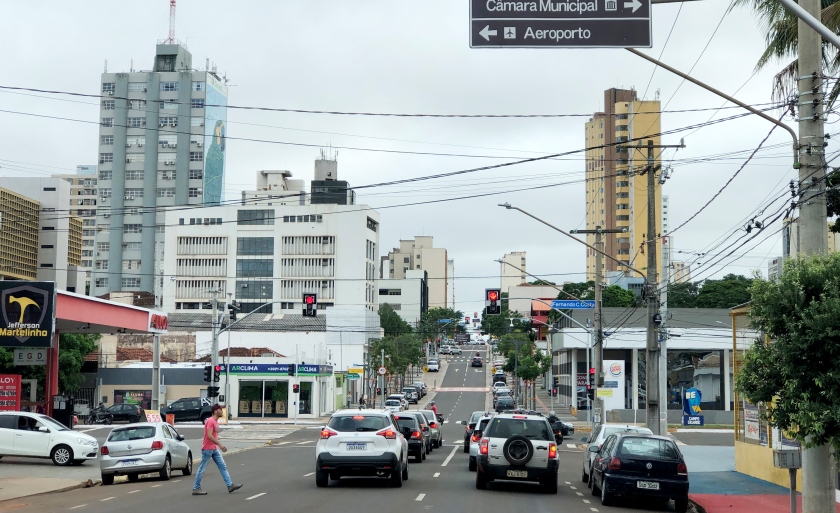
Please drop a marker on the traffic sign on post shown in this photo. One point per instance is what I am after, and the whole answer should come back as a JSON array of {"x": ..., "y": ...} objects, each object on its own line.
[
  {"x": 560, "y": 24},
  {"x": 572, "y": 304},
  {"x": 382, "y": 371}
]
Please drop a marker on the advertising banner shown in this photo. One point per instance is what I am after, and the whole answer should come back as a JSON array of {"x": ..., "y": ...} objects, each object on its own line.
[
  {"x": 751, "y": 422},
  {"x": 215, "y": 127},
  {"x": 27, "y": 313},
  {"x": 9, "y": 392},
  {"x": 615, "y": 376}
]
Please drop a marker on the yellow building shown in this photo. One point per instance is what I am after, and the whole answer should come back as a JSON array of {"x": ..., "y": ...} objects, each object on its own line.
[
  {"x": 18, "y": 236},
  {"x": 616, "y": 192}
]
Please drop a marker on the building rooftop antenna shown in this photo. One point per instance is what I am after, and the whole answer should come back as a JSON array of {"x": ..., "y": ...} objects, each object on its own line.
[{"x": 171, "y": 39}]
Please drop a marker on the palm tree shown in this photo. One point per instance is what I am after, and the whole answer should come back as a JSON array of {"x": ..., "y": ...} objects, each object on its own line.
[{"x": 781, "y": 32}]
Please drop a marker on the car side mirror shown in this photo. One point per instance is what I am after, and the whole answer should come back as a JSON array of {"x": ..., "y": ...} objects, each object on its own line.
[
  {"x": 43, "y": 429},
  {"x": 180, "y": 438},
  {"x": 593, "y": 448},
  {"x": 584, "y": 439},
  {"x": 463, "y": 423}
]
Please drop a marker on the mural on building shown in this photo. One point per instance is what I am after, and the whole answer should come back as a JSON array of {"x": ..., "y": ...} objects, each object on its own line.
[{"x": 215, "y": 126}]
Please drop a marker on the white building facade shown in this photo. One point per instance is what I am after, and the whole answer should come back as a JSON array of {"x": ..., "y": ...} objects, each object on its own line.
[
  {"x": 409, "y": 297},
  {"x": 513, "y": 270},
  {"x": 83, "y": 194}
]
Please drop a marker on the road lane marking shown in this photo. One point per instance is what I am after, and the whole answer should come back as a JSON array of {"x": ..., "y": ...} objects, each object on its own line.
[
  {"x": 451, "y": 455},
  {"x": 106, "y": 499},
  {"x": 567, "y": 482},
  {"x": 79, "y": 506},
  {"x": 134, "y": 491},
  {"x": 594, "y": 509},
  {"x": 446, "y": 421},
  {"x": 155, "y": 486},
  {"x": 255, "y": 496},
  {"x": 306, "y": 442},
  {"x": 579, "y": 494},
  {"x": 309, "y": 474},
  {"x": 573, "y": 487},
  {"x": 586, "y": 501},
  {"x": 436, "y": 474},
  {"x": 571, "y": 446},
  {"x": 420, "y": 497},
  {"x": 283, "y": 443}
]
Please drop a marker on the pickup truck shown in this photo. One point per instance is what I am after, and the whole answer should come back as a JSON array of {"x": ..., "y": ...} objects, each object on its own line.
[{"x": 188, "y": 409}]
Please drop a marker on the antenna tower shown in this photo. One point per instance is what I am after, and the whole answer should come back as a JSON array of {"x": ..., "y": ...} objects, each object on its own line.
[{"x": 171, "y": 39}]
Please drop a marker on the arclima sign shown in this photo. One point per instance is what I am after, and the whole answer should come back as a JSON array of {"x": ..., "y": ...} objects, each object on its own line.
[{"x": 27, "y": 314}]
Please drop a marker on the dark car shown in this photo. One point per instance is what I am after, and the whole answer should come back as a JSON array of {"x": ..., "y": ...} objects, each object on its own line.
[
  {"x": 470, "y": 424},
  {"x": 505, "y": 402},
  {"x": 639, "y": 465},
  {"x": 498, "y": 394},
  {"x": 426, "y": 429},
  {"x": 499, "y": 376},
  {"x": 188, "y": 409},
  {"x": 476, "y": 361},
  {"x": 130, "y": 413},
  {"x": 413, "y": 433}
]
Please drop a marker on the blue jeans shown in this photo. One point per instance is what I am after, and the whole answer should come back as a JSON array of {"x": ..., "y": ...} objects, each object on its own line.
[{"x": 216, "y": 456}]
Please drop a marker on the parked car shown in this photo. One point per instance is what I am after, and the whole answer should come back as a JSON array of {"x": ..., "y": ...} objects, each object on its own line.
[
  {"x": 445, "y": 350},
  {"x": 131, "y": 413},
  {"x": 188, "y": 409},
  {"x": 361, "y": 443},
  {"x": 455, "y": 350},
  {"x": 422, "y": 387},
  {"x": 499, "y": 384},
  {"x": 639, "y": 465},
  {"x": 142, "y": 449},
  {"x": 597, "y": 437},
  {"x": 517, "y": 448},
  {"x": 411, "y": 394},
  {"x": 433, "y": 366},
  {"x": 434, "y": 426},
  {"x": 500, "y": 393},
  {"x": 33, "y": 435},
  {"x": 500, "y": 376},
  {"x": 413, "y": 433},
  {"x": 505, "y": 402},
  {"x": 401, "y": 398}
]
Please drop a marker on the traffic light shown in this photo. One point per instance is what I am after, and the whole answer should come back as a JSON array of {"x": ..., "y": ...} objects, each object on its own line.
[
  {"x": 493, "y": 301},
  {"x": 212, "y": 391},
  {"x": 292, "y": 368},
  {"x": 556, "y": 382},
  {"x": 208, "y": 373},
  {"x": 217, "y": 371},
  {"x": 310, "y": 305},
  {"x": 295, "y": 389},
  {"x": 592, "y": 376},
  {"x": 233, "y": 307},
  {"x": 590, "y": 392}
]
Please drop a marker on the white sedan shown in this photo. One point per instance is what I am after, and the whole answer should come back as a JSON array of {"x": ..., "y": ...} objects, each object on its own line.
[{"x": 33, "y": 435}]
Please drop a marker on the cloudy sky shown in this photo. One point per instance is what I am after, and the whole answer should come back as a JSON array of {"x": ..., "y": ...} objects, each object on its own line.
[{"x": 413, "y": 57}]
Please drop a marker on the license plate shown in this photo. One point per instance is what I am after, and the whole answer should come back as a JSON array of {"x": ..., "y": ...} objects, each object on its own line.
[
  {"x": 130, "y": 463},
  {"x": 647, "y": 485},
  {"x": 517, "y": 473},
  {"x": 356, "y": 447}
]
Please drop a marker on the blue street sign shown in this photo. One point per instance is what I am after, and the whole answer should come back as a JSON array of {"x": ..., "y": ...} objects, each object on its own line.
[
  {"x": 444, "y": 321},
  {"x": 572, "y": 304}
]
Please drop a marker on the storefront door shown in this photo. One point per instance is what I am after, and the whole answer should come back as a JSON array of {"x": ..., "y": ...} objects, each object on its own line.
[
  {"x": 263, "y": 398},
  {"x": 306, "y": 397}
]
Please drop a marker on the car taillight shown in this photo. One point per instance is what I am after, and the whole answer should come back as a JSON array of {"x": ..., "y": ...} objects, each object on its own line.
[
  {"x": 327, "y": 432},
  {"x": 416, "y": 435},
  {"x": 682, "y": 470},
  {"x": 614, "y": 464},
  {"x": 484, "y": 448},
  {"x": 552, "y": 450},
  {"x": 387, "y": 433},
  {"x": 433, "y": 424},
  {"x": 476, "y": 438},
  {"x": 157, "y": 445},
  {"x": 104, "y": 450}
]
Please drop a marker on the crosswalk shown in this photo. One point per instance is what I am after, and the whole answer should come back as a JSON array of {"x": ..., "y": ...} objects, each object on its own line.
[{"x": 258, "y": 432}]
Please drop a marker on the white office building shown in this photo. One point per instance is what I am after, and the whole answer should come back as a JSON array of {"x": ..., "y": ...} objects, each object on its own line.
[
  {"x": 512, "y": 269},
  {"x": 83, "y": 194},
  {"x": 409, "y": 296}
]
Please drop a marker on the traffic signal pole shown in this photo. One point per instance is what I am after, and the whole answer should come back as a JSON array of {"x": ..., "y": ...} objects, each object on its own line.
[{"x": 214, "y": 354}]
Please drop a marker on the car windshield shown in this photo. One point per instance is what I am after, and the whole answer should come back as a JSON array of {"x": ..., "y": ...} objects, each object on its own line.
[
  {"x": 409, "y": 390},
  {"x": 611, "y": 430},
  {"x": 134, "y": 433},
  {"x": 532, "y": 429},
  {"x": 502, "y": 392},
  {"x": 505, "y": 399},
  {"x": 52, "y": 423},
  {"x": 359, "y": 422},
  {"x": 648, "y": 448}
]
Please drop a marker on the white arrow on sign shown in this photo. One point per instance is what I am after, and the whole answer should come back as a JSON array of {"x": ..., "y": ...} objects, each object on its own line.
[
  {"x": 635, "y": 4},
  {"x": 486, "y": 32}
]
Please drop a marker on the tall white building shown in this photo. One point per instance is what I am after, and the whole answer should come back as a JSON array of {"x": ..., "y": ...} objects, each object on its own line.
[
  {"x": 83, "y": 194},
  {"x": 420, "y": 254},
  {"x": 261, "y": 254},
  {"x": 450, "y": 283},
  {"x": 161, "y": 144},
  {"x": 276, "y": 188},
  {"x": 513, "y": 270},
  {"x": 409, "y": 296}
]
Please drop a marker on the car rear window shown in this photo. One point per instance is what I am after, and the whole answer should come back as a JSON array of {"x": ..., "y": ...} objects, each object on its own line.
[
  {"x": 406, "y": 421},
  {"x": 430, "y": 415},
  {"x": 530, "y": 428},
  {"x": 135, "y": 433},
  {"x": 482, "y": 425},
  {"x": 350, "y": 423},
  {"x": 649, "y": 448},
  {"x": 392, "y": 402}
]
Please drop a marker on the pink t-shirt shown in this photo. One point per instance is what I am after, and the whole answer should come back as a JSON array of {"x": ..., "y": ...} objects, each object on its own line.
[{"x": 211, "y": 427}]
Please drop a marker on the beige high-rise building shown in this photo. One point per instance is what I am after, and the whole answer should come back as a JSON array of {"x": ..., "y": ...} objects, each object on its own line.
[
  {"x": 83, "y": 193},
  {"x": 420, "y": 254},
  {"x": 513, "y": 270},
  {"x": 616, "y": 192}
]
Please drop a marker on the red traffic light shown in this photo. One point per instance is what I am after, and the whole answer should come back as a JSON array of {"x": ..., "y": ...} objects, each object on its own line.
[
  {"x": 592, "y": 370},
  {"x": 309, "y": 299},
  {"x": 492, "y": 295},
  {"x": 218, "y": 368}
]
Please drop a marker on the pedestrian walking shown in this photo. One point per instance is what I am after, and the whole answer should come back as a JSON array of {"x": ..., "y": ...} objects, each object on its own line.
[
  {"x": 362, "y": 403},
  {"x": 212, "y": 449}
]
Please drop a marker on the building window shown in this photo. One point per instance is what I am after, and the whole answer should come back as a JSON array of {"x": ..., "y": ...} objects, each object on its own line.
[
  {"x": 167, "y": 192},
  {"x": 103, "y": 246},
  {"x": 254, "y": 217},
  {"x": 135, "y": 157},
  {"x": 137, "y": 104},
  {"x": 49, "y": 189},
  {"x": 622, "y": 218},
  {"x": 372, "y": 225},
  {"x": 102, "y": 265},
  {"x": 137, "y": 87},
  {"x": 47, "y": 246},
  {"x": 109, "y": 87},
  {"x": 254, "y": 290},
  {"x": 255, "y": 268},
  {"x": 106, "y": 157},
  {"x": 622, "y": 195},
  {"x": 196, "y": 156},
  {"x": 196, "y": 121},
  {"x": 198, "y": 86},
  {"x": 620, "y": 116},
  {"x": 101, "y": 282},
  {"x": 196, "y": 174},
  {"x": 166, "y": 174},
  {"x": 104, "y": 193},
  {"x": 106, "y": 140},
  {"x": 107, "y": 122},
  {"x": 136, "y": 122},
  {"x": 405, "y": 260},
  {"x": 194, "y": 192},
  {"x": 128, "y": 283},
  {"x": 109, "y": 104},
  {"x": 133, "y": 192},
  {"x": 127, "y": 265},
  {"x": 169, "y": 86},
  {"x": 134, "y": 174},
  {"x": 197, "y": 103},
  {"x": 132, "y": 228},
  {"x": 255, "y": 246},
  {"x": 168, "y": 105},
  {"x": 105, "y": 175},
  {"x": 622, "y": 206},
  {"x": 168, "y": 121}
]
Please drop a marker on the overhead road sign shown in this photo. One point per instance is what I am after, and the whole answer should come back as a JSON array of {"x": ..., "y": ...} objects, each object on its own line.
[
  {"x": 572, "y": 304},
  {"x": 560, "y": 24}
]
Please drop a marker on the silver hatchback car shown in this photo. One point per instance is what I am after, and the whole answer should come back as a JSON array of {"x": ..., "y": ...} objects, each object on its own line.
[{"x": 144, "y": 448}]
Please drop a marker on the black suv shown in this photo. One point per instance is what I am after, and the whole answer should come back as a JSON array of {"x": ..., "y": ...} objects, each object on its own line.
[
  {"x": 476, "y": 361},
  {"x": 188, "y": 409},
  {"x": 476, "y": 415},
  {"x": 130, "y": 413},
  {"x": 413, "y": 433}
]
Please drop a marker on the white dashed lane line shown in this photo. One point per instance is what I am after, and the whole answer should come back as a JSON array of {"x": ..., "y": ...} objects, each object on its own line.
[
  {"x": 134, "y": 491},
  {"x": 420, "y": 497},
  {"x": 79, "y": 506},
  {"x": 437, "y": 474},
  {"x": 571, "y": 446},
  {"x": 106, "y": 499},
  {"x": 579, "y": 494},
  {"x": 449, "y": 458},
  {"x": 255, "y": 496},
  {"x": 309, "y": 474},
  {"x": 155, "y": 486}
]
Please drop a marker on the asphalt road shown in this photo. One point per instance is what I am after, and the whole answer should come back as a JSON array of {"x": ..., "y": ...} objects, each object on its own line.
[{"x": 280, "y": 477}]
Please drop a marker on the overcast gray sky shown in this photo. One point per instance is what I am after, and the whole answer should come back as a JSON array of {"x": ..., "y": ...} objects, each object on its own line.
[{"x": 414, "y": 57}]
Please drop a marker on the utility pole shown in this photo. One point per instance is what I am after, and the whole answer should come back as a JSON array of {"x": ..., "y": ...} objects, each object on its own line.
[
  {"x": 663, "y": 332},
  {"x": 817, "y": 478},
  {"x": 214, "y": 355}
]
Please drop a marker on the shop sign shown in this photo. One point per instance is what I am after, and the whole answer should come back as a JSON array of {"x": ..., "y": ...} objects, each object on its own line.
[
  {"x": 158, "y": 322},
  {"x": 9, "y": 392},
  {"x": 27, "y": 313},
  {"x": 277, "y": 368}
]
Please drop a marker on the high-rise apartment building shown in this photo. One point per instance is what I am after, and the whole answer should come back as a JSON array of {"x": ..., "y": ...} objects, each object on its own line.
[
  {"x": 83, "y": 194},
  {"x": 161, "y": 144},
  {"x": 616, "y": 192},
  {"x": 513, "y": 270},
  {"x": 421, "y": 254}
]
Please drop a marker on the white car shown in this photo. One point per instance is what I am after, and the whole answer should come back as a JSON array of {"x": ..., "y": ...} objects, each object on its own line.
[
  {"x": 433, "y": 366},
  {"x": 599, "y": 434},
  {"x": 361, "y": 443},
  {"x": 499, "y": 385},
  {"x": 475, "y": 439},
  {"x": 445, "y": 350},
  {"x": 402, "y": 399},
  {"x": 34, "y": 435},
  {"x": 455, "y": 350},
  {"x": 393, "y": 405},
  {"x": 144, "y": 448}
]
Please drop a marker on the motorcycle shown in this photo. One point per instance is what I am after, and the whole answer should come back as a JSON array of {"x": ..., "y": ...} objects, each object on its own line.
[
  {"x": 557, "y": 428},
  {"x": 440, "y": 418},
  {"x": 100, "y": 417}
]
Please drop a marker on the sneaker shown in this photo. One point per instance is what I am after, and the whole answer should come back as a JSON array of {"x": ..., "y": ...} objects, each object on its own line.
[
  {"x": 233, "y": 488},
  {"x": 199, "y": 492}
]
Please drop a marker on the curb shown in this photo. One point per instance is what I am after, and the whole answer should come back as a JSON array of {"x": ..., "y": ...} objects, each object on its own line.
[
  {"x": 90, "y": 483},
  {"x": 697, "y": 507}
]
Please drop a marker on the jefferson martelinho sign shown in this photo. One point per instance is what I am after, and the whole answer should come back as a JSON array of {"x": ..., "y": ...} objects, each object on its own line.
[{"x": 27, "y": 313}]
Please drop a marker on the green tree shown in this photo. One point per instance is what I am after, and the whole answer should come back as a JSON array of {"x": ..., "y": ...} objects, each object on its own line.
[
  {"x": 585, "y": 291},
  {"x": 731, "y": 290},
  {"x": 430, "y": 327},
  {"x": 683, "y": 294},
  {"x": 832, "y": 197},
  {"x": 400, "y": 352},
  {"x": 391, "y": 321},
  {"x": 542, "y": 282},
  {"x": 615, "y": 296},
  {"x": 71, "y": 356},
  {"x": 795, "y": 374}
]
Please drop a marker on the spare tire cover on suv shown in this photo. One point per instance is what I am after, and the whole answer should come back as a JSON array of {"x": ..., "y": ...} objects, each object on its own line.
[{"x": 518, "y": 450}]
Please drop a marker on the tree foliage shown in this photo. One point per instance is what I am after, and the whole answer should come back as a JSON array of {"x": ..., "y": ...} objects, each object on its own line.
[
  {"x": 683, "y": 294},
  {"x": 731, "y": 290},
  {"x": 796, "y": 374},
  {"x": 391, "y": 321},
  {"x": 71, "y": 356},
  {"x": 430, "y": 327},
  {"x": 585, "y": 291},
  {"x": 400, "y": 352},
  {"x": 615, "y": 296},
  {"x": 542, "y": 282}
]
